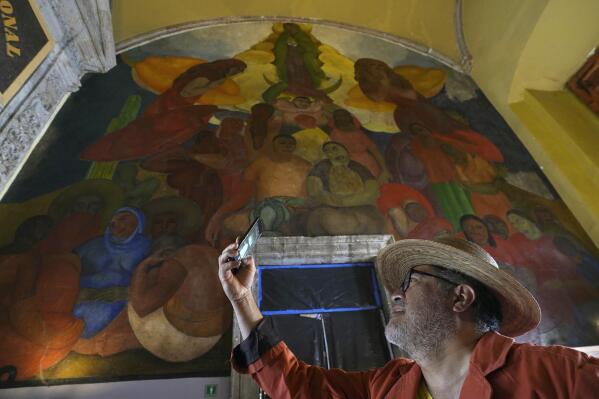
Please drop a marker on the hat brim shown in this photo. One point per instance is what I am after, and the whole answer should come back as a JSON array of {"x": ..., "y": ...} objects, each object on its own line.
[
  {"x": 110, "y": 193},
  {"x": 520, "y": 310}
]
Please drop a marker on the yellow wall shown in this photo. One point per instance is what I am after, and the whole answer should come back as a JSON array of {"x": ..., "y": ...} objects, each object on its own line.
[
  {"x": 566, "y": 32},
  {"x": 496, "y": 33},
  {"x": 429, "y": 22},
  {"x": 564, "y": 138},
  {"x": 538, "y": 44}
]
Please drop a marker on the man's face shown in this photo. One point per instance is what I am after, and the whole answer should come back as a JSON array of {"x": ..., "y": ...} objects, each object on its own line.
[
  {"x": 524, "y": 226},
  {"x": 230, "y": 127},
  {"x": 164, "y": 223},
  {"x": 336, "y": 154},
  {"x": 123, "y": 224},
  {"x": 229, "y": 134},
  {"x": 88, "y": 203},
  {"x": 476, "y": 231},
  {"x": 421, "y": 318},
  {"x": 497, "y": 226},
  {"x": 416, "y": 212},
  {"x": 372, "y": 77},
  {"x": 343, "y": 120},
  {"x": 284, "y": 145}
]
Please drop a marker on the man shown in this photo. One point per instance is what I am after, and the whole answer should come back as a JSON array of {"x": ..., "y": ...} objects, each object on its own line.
[
  {"x": 450, "y": 306},
  {"x": 279, "y": 174}
]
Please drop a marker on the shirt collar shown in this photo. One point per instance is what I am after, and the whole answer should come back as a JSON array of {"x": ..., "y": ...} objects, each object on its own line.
[{"x": 490, "y": 352}]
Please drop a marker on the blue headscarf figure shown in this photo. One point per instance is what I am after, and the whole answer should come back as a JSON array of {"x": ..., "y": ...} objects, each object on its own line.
[{"x": 107, "y": 265}]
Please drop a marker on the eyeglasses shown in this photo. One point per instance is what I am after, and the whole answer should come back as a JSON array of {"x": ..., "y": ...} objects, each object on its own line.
[{"x": 408, "y": 279}]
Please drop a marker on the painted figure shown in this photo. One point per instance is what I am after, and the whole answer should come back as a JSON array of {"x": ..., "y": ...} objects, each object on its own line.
[
  {"x": 409, "y": 214},
  {"x": 262, "y": 127},
  {"x": 439, "y": 137},
  {"x": 403, "y": 165},
  {"x": 193, "y": 83},
  {"x": 38, "y": 292},
  {"x": 173, "y": 216},
  {"x": 476, "y": 230},
  {"x": 345, "y": 193},
  {"x": 293, "y": 110},
  {"x": 347, "y": 131},
  {"x": 191, "y": 178},
  {"x": 559, "y": 288},
  {"x": 177, "y": 310},
  {"x": 497, "y": 226},
  {"x": 107, "y": 264},
  {"x": 298, "y": 66},
  {"x": 232, "y": 156},
  {"x": 277, "y": 174}
]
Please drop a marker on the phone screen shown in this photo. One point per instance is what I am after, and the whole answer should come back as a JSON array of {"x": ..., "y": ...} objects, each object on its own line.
[{"x": 250, "y": 239}]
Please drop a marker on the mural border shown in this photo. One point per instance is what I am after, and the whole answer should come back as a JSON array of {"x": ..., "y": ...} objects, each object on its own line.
[{"x": 172, "y": 30}]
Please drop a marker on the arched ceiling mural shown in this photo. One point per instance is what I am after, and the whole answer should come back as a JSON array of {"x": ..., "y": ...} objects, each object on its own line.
[
  {"x": 512, "y": 46},
  {"x": 152, "y": 168}
]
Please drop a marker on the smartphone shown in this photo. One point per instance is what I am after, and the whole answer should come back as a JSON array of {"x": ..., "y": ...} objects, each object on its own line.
[{"x": 249, "y": 240}]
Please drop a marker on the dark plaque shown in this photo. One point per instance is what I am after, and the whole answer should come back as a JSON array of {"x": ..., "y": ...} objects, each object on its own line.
[{"x": 24, "y": 42}]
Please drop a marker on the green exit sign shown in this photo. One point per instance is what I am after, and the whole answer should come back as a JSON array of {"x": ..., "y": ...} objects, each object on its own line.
[{"x": 210, "y": 391}]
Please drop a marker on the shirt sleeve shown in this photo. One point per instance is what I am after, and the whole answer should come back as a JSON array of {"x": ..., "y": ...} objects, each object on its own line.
[
  {"x": 281, "y": 375},
  {"x": 261, "y": 339}
]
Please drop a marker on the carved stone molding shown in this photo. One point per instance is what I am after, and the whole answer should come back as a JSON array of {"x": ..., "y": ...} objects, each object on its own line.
[{"x": 82, "y": 31}]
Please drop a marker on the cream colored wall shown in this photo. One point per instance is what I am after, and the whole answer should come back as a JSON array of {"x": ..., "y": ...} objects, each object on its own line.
[{"x": 429, "y": 22}]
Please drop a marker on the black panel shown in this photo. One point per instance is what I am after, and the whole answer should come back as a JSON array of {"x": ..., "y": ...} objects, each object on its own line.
[
  {"x": 304, "y": 336},
  {"x": 356, "y": 340},
  {"x": 343, "y": 287}
]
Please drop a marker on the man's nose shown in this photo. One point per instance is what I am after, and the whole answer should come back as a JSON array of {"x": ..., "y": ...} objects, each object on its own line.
[{"x": 398, "y": 296}]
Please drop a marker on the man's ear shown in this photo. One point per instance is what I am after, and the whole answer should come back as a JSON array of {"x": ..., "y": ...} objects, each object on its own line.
[{"x": 463, "y": 298}]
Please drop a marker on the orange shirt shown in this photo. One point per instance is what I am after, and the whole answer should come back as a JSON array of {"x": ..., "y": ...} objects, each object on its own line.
[{"x": 499, "y": 368}]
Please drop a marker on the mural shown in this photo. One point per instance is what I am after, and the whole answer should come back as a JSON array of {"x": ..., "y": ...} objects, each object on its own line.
[{"x": 108, "y": 264}]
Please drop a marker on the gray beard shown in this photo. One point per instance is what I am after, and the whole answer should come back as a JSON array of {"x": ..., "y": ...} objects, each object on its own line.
[{"x": 422, "y": 335}]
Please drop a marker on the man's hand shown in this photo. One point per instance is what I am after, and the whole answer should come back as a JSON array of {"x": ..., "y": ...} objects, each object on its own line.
[{"x": 237, "y": 286}]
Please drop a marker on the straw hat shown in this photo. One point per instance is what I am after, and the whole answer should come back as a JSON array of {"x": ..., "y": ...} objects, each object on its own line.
[{"x": 520, "y": 310}]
